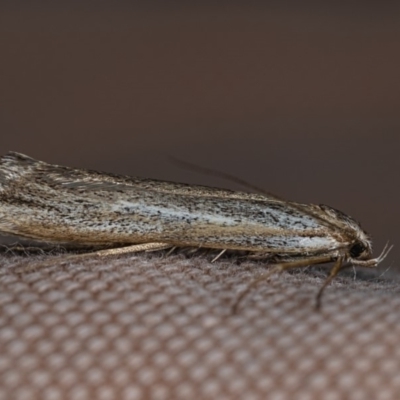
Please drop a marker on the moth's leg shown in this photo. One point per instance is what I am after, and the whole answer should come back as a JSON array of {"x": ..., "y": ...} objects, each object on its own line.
[
  {"x": 218, "y": 256},
  {"x": 135, "y": 248},
  {"x": 101, "y": 253},
  {"x": 334, "y": 271},
  {"x": 171, "y": 251},
  {"x": 278, "y": 268}
]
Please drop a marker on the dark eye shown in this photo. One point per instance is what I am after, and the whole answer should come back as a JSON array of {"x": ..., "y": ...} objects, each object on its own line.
[{"x": 357, "y": 249}]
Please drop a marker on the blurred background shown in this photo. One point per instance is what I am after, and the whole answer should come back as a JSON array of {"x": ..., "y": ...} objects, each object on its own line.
[{"x": 300, "y": 98}]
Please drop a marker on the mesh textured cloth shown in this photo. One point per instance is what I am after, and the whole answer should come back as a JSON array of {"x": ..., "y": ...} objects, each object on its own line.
[{"x": 147, "y": 326}]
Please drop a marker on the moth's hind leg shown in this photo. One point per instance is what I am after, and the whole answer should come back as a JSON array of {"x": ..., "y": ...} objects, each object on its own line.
[
  {"x": 135, "y": 248},
  {"x": 145, "y": 247},
  {"x": 278, "y": 268}
]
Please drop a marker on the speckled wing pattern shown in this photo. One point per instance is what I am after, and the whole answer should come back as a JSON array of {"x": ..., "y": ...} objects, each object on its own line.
[{"x": 61, "y": 204}]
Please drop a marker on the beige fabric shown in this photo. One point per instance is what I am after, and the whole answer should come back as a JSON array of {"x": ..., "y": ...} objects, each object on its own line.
[{"x": 147, "y": 326}]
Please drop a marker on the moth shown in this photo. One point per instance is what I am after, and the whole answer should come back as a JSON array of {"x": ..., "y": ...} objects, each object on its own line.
[{"x": 53, "y": 203}]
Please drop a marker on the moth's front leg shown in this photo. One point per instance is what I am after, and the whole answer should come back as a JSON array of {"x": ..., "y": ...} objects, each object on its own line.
[{"x": 278, "y": 268}]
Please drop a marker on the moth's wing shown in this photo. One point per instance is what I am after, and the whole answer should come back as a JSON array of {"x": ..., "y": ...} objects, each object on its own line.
[
  {"x": 223, "y": 218},
  {"x": 15, "y": 165}
]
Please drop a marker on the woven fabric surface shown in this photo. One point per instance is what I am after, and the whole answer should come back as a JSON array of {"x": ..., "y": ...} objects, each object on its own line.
[{"x": 151, "y": 326}]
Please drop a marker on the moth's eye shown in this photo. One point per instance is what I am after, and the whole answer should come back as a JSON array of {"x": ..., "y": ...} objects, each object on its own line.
[{"x": 357, "y": 249}]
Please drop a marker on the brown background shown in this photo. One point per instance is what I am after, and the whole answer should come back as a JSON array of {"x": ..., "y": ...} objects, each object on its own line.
[{"x": 302, "y": 100}]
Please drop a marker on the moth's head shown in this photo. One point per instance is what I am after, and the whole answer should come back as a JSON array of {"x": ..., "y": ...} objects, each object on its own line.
[
  {"x": 361, "y": 248},
  {"x": 361, "y": 244}
]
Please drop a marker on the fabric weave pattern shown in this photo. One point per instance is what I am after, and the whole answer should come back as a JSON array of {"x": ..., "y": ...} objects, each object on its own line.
[{"x": 148, "y": 326}]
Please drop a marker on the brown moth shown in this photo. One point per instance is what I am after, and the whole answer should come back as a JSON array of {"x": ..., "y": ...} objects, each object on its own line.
[{"x": 66, "y": 205}]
